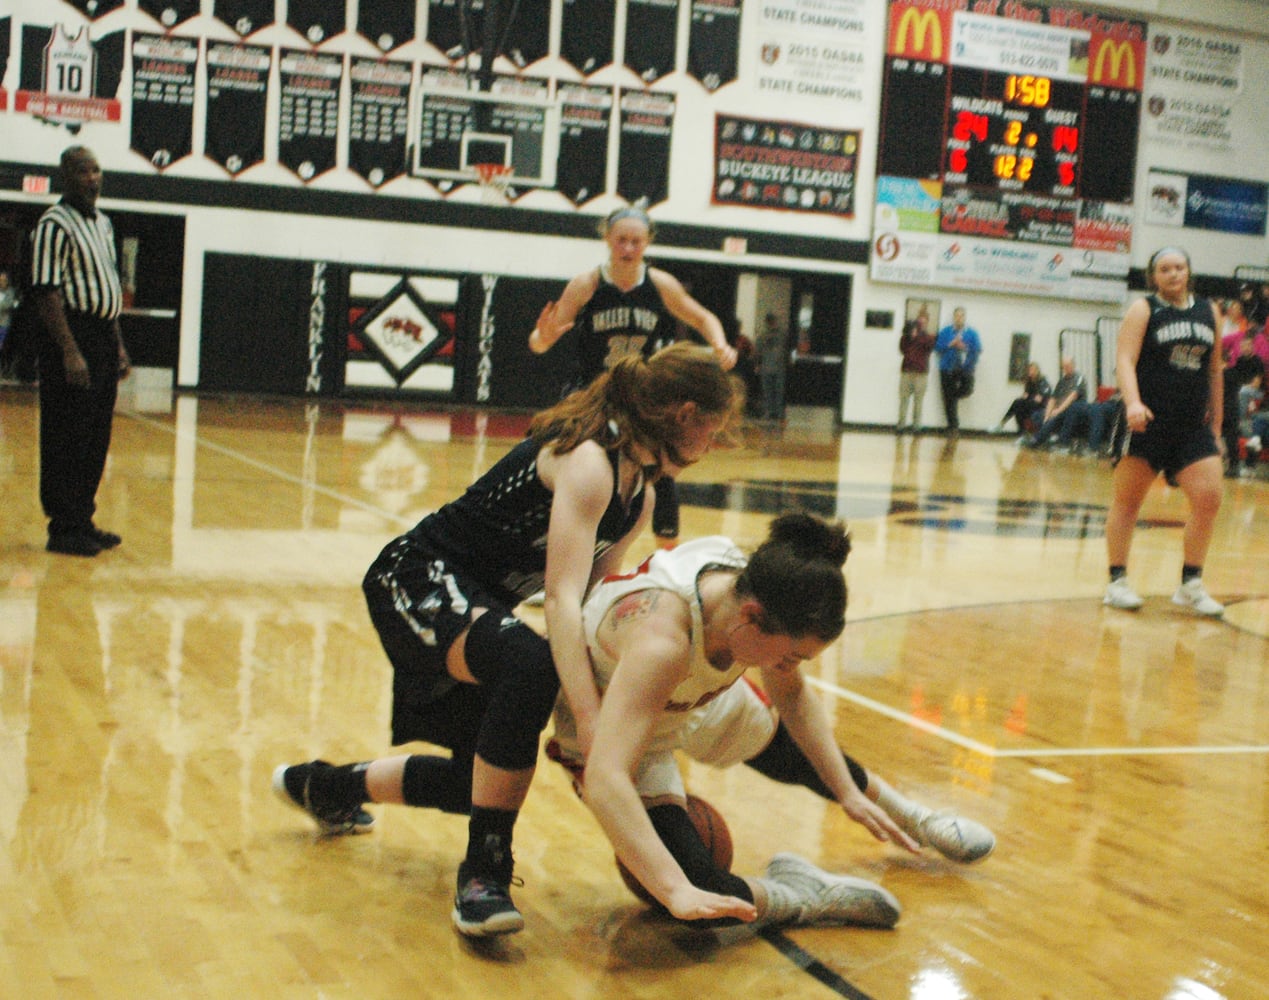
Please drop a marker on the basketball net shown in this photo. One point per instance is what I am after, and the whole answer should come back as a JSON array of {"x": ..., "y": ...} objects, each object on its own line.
[{"x": 494, "y": 178}]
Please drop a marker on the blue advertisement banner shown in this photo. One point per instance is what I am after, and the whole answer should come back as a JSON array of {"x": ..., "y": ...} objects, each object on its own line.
[{"x": 1225, "y": 205}]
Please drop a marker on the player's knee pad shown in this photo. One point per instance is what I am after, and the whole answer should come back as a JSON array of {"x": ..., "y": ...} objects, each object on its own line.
[
  {"x": 437, "y": 783},
  {"x": 678, "y": 834},
  {"x": 515, "y": 665}
]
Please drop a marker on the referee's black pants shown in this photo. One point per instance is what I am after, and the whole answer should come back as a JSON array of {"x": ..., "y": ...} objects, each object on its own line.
[{"x": 75, "y": 424}]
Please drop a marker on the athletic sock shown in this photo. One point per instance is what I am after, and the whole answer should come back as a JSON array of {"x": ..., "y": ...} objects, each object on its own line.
[
  {"x": 1118, "y": 573},
  {"x": 1189, "y": 573},
  {"x": 489, "y": 841},
  {"x": 905, "y": 812}
]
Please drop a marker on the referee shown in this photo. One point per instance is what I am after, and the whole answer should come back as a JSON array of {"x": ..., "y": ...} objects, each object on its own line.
[{"x": 78, "y": 297}]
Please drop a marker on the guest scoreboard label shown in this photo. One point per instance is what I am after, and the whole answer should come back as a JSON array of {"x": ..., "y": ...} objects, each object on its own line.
[{"x": 1010, "y": 123}]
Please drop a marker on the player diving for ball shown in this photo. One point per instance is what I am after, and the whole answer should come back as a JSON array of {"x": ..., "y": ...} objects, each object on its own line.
[{"x": 669, "y": 643}]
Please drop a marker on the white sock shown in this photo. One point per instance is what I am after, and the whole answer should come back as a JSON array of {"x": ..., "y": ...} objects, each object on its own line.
[{"x": 905, "y": 812}]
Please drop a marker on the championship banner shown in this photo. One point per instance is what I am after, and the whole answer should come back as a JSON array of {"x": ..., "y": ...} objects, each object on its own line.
[
  {"x": 714, "y": 42},
  {"x": 387, "y": 25},
  {"x": 652, "y": 33},
  {"x": 69, "y": 79},
  {"x": 317, "y": 20},
  {"x": 245, "y": 16},
  {"x": 456, "y": 27},
  {"x": 643, "y": 158},
  {"x": 379, "y": 119},
  {"x": 308, "y": 125},
  {"x": 810, "y": 49},
  {"x": 94, "y": 9},
  {"x": 586, "y": 38},
  {"x": 170, "y": 13},
  {"x": 760, "y": 163},
  {"x": 1193, "y": 89},
  {"x": 237, "y": 97},
  {"x": 163, "y": 97},
  {"x": 585, "y": 122},
  {"x": 528, "y": 35}
]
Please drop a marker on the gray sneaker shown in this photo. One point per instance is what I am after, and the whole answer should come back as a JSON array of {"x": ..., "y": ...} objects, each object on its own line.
[
  {"x": 829, "y": 900},
  {"x": 955, "y": 837}
]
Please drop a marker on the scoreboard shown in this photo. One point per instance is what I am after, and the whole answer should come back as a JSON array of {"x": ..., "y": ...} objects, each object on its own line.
[{"x": 1007, "y": 148}]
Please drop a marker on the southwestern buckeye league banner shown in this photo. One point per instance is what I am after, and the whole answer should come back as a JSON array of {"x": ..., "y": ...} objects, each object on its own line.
[{"x": 760, "y": 163}]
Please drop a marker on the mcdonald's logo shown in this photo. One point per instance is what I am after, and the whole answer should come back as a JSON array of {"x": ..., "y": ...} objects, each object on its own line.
[
  {"x": 1122, "y": 59},
  {"x": 923, "y": 28}
]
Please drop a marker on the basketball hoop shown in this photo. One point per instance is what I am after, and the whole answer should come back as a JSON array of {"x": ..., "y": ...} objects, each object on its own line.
[{"x": 494, "y": 178}]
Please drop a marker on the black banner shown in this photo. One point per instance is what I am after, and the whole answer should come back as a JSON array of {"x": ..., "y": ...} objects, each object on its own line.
[
  {"x": 456, "y": 27},
  {"x": 772, "y": 164},
  {"x": 163, "y": 97},
  {"x": 318, "y": 20},
  {"x": 586, "y": 37},
  {"x": 170, "y": 13},
  {"x": 387, "y": 25},
  {"x": 528, "y": 35},
  {"x": 237, "y": 96},
  {"x": 379, "y": 118},
  {"x": 643, "y": 163},
  {"x": 714, "y": 42},
  {"x": 245, "y": 16},
  {"x": 95, "y": 8},
  {"x": 585, "y": 123},
  {"x": 652, "y": 35},
  {"x": 308, "y": 126}
]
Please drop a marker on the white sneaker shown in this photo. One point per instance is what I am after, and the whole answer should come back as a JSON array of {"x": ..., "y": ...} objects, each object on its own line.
[
  {"x": 833, "y": 899},
  {"x": 1253, "y": 443},
  {"x": 955, "y": 837},
  {"x": 1193, "y": 594},
  {"x": 1120, "y": 595}
]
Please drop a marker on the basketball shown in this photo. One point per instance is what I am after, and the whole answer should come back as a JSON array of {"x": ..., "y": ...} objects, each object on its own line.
[{"x": 713, "y": 831}]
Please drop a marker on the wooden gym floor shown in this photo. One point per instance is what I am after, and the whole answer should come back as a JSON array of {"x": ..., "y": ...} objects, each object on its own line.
[{"x": 1121, "y": 759}]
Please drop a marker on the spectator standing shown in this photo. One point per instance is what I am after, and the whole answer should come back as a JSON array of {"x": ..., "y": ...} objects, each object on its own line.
[
  {"x": 958, "y": 347},
  {"x": 916, "y": 343},
  {"x": 78, "y": 297}
]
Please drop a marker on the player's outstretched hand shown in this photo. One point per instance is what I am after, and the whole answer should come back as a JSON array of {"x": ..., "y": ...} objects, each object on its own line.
[
  {"x": 691, "y": 903},
  {"x": 548, "y": 324},
  {"x": 876, "y": 821}
]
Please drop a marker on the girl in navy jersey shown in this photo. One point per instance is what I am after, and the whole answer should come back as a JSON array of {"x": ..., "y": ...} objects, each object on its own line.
[
  {"x": 1169, "y": 370},
  {"x": 557, "y": 511},
  {"x": 627, "y": 307}
]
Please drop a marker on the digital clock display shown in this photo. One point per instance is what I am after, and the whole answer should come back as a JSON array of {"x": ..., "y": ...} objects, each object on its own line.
[{"x": 1007, "y": 126}]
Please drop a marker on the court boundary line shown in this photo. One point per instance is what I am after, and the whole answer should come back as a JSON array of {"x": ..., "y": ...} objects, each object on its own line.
[{"x": 975, "y": 746}]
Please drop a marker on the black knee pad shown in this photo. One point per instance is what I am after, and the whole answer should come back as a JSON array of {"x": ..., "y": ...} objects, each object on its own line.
[
  {"x": 438, "y": 783},
  {"x": 514, "y": 664},
  {"x": 784, "y": 761}
]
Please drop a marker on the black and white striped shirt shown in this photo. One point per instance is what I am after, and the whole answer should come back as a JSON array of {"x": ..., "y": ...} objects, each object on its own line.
[{"x": 76, "y": 254}]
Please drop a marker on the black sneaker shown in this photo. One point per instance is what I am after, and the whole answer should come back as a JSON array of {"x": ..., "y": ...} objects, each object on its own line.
[
  {"x": 73, "y": 543},
  {"x": 483, "y": 907},
  {"x": 106, "y": 539},
  {"x": 291, "y": 784}
]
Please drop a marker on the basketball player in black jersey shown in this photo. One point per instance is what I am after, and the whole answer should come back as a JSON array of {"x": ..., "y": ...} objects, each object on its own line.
[
  {"x": 558, "y": 511},
  {"x": 1170, "y": 373},
  {"x": 627, "y": 307}
]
